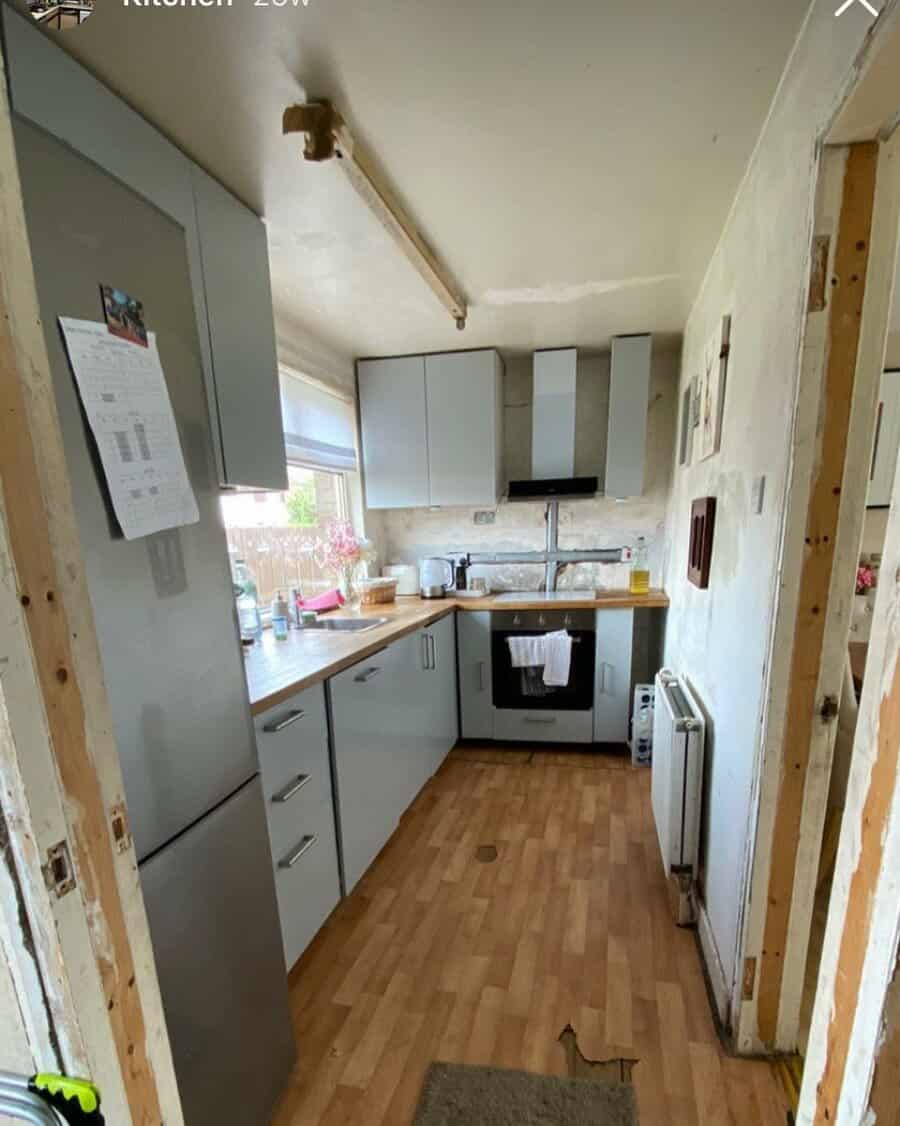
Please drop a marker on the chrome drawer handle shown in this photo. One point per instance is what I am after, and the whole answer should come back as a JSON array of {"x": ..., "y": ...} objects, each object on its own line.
[
  {"x": 280, "y": 724},
  {"x": 482, "y": 682},
  {"x": 362, "y": 677},
  {"x": 535, "y": 719},
  {"x": 294, "y": 855},
  {"x": 291, "y": 789}
]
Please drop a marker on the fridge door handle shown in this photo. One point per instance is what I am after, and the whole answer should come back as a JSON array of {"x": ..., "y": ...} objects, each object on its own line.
[
  {"x": 362, "y": 677},
  {"x": 280, "y": 724},
  {"x": 291, "y": 858},
  {"x": 291, "y": 789}
]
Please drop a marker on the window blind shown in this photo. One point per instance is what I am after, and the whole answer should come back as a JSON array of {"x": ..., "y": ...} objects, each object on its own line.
[{"x": 319, "y": 428}]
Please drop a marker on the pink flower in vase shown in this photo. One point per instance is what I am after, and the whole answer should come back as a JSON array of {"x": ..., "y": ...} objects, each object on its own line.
[{"x": 865, "y": 579}]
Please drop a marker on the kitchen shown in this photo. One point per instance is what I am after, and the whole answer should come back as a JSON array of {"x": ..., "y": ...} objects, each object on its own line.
[{"x": 399, "y": 786}]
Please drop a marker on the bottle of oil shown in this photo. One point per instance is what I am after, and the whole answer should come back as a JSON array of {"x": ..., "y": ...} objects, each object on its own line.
[{"x": 639, "y": 582}]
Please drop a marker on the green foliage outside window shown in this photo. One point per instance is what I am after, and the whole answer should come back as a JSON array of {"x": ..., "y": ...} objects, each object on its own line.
[{"x": 301, "y": 505}]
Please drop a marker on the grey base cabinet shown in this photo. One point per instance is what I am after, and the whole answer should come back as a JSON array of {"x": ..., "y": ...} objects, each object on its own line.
[
  {"x": 475, "y": 692},
  {"x": 612, "y": 675},
  {"x": 393, "y": 720},
  {"x": 292, "y": 741}
]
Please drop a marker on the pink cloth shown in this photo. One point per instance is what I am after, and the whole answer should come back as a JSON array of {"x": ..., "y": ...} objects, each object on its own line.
[{"x": 330, "y": 600}]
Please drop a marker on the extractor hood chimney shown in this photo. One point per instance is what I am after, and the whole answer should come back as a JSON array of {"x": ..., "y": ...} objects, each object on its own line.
[{"x": 553, "y": 431}]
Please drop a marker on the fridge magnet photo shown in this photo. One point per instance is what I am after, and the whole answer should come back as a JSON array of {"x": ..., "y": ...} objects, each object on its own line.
[{"x": 124, "y": 315}]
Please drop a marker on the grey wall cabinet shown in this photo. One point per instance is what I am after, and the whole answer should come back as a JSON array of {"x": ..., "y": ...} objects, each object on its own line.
[
  {"x": 432, "y": 429},
  {"x": 629, "y": 399},
  {"x": 237, "y": 339},
  {"x": 394, "y": 432},
  {"x": 294, "y": 761},
  {"x": 464, "y": 397},
  {"x": 235, "y": 258},
  {"x": 475, "y": 694},
  {"x": 612, "y": 673}
]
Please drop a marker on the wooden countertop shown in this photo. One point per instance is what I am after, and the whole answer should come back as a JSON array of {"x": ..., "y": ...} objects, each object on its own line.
[{"x": 276, "y": 670}]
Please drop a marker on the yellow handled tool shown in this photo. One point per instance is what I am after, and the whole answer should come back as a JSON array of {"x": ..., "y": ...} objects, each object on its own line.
[{"x": 77, "y": 1100}]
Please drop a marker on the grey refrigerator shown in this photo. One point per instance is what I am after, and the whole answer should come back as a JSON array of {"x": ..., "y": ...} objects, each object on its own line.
[{"x": 171, "y": 657}]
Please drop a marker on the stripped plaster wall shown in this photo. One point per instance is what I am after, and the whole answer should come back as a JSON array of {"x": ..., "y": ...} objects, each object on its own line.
[
  {"x": 411, "y": 534},
  {"x": 721, "y": 638}
]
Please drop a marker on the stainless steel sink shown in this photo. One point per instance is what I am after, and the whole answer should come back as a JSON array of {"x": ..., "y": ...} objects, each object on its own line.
[{"x": 346, "y": 625}]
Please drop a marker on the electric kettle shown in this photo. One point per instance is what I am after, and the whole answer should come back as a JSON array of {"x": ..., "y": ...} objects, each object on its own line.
[{"x": 435, "y": 577}]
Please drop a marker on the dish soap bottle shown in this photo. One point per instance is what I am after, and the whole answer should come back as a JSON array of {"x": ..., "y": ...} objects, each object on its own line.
[
  {"x": 280, "y": 615},
  {"x": 247, "y": 602},
  {"x": 639, "y": 583}
]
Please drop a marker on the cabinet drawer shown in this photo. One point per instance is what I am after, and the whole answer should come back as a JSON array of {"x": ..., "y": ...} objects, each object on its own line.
[
  {"x": 292, "y": 739},
  {"x": 543, "y": 726},
  {"x": 307, "y": 882}
]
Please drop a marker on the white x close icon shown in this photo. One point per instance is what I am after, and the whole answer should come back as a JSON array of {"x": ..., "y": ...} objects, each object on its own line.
[{"x": 865, "y": 3}]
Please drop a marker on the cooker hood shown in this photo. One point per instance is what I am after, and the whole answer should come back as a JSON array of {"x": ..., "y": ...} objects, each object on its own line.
[{"x": 553, "y": 432}]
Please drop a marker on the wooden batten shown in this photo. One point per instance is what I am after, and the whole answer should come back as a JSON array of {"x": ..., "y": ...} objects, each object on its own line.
[
  {"x": 821, "y": 536},
  {"x": 58, "y": 763},
  {"x": 327, "y": 136}
]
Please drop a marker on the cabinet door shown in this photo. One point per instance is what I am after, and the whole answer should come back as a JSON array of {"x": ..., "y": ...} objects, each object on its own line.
[
  {"x": 369, "y": 742},
  {"x": 444, "y": 727},
  {"x": 394, "y": 435},
  {"x": 464, "y": 395},
  {"x": 629, "y": 398},
  {"x": 887, "y": 442},
  {"x": 612, "y": 685},
  {"x": 475, "y": 696},
  {"x": 235, "y": 259}
]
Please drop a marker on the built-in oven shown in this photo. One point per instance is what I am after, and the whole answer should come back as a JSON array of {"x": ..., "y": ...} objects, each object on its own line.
[{"x": 524, "y": 688}]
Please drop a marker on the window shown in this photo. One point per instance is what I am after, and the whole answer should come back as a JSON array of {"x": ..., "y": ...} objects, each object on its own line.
[{"x": 275, "y": 533}]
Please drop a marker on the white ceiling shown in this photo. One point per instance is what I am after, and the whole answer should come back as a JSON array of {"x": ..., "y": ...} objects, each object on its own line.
[{"x": 573, "y": 161}]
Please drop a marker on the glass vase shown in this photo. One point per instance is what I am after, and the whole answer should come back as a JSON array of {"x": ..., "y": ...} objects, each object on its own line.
[{"x": 349, "y": 587}]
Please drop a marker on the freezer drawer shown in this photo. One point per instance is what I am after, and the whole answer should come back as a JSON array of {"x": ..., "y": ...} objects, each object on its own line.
[{"x": 214, "y": 924}]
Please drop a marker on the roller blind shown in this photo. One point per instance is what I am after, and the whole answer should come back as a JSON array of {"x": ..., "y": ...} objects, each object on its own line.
[{"x": 319, "y": 428}]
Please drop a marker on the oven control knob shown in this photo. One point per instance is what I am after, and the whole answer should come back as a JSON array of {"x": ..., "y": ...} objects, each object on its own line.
[
  {"x": 568, "y": 620},
  {"x": 517, "y": 620},
  {"x": 541, "y": 620}
]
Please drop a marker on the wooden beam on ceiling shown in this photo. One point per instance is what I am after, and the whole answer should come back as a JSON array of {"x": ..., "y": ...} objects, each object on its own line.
[{"x": 328, "y": 137}]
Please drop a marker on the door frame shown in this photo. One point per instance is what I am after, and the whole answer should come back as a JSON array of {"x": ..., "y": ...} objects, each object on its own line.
[
  {"x": 78, "y": 985},
  {"x": 858, "y": 186}
]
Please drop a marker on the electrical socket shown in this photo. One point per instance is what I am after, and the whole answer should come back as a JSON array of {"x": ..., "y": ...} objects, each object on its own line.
[{"x": 485, "y": 516}]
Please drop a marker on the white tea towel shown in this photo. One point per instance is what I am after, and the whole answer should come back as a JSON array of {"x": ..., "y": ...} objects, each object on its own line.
[
  {"x": 557, "y": 658},
  {"x": 526, "y": 652}
]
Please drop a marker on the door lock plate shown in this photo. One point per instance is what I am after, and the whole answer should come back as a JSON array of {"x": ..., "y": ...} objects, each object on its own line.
[{"x": 59, "y": 875}]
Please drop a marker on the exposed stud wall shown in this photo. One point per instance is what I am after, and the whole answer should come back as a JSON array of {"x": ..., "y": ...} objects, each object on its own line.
[{"x": 721, "y": 638}]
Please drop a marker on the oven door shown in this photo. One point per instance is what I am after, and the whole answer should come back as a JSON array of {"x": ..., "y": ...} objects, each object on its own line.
[{"x": 525, "y": 688}]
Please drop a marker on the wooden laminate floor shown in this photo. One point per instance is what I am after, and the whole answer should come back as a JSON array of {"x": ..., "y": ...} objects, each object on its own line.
[{"x": 437, "y": 955}]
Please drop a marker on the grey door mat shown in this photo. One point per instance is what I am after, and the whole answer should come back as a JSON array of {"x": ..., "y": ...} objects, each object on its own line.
[{"x": 460, "y": 1095}]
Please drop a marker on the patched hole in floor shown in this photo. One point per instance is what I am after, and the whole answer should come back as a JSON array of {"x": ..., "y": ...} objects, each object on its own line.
[
  {"x": 578, "y": 1066},
  {"x": 486, "y": 854}
]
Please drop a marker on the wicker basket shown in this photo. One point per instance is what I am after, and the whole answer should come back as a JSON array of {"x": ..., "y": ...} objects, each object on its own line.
[{"x": 377, "y": 591}]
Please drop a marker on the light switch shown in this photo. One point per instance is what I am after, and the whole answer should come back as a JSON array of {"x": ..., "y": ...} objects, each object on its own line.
[{"x": 758, "y": 496}]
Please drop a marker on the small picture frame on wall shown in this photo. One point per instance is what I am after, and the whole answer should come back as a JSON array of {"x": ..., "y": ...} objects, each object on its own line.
[
  {"x": 712, "y": 389},
  {"x": 686, "y": 447}
]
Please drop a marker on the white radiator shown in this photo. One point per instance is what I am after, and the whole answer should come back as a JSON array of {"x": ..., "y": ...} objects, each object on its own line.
[{"x": 677, "y": 775}]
